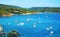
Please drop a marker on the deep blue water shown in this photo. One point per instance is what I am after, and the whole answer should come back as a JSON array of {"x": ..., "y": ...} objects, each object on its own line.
[{"x": 35, "y": 25}]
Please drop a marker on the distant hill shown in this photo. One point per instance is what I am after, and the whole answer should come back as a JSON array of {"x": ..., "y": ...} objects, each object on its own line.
[{"x": 47, "y": 9}]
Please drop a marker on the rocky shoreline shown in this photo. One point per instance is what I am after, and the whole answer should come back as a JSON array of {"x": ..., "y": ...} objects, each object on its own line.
[{"x": 10, "y": 14}]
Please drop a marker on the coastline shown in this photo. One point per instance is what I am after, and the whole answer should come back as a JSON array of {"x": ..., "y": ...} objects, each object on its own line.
[{"x": 11, "y": 14}]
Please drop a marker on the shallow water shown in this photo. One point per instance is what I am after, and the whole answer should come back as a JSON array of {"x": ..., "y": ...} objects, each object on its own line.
[{"x": 35, "y": 25}]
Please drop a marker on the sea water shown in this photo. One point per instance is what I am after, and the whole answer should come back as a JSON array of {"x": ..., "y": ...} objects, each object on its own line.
[{"x": 33, "y": 25}]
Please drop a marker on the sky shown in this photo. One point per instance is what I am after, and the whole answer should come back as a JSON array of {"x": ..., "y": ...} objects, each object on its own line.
[{"x": 32, "y": 3}]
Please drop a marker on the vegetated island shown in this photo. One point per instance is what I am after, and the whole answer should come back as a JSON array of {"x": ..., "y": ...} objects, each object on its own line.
[{"x": 9, "y": 10}]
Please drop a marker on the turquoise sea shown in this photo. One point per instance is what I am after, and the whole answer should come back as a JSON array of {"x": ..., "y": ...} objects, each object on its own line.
[{"x": 34, "y": 25}]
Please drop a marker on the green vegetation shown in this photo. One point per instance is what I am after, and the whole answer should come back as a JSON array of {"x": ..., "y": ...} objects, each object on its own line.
[
  {"x": 46, "y": 9},
  {"x": 7, "y": 10}
]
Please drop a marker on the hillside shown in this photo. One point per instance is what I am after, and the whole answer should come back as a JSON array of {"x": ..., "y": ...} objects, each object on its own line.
[
  {"x": 9, "y": 10},
  {"x": 46, "y": 9},
  {"x": 9, "y": 6}
]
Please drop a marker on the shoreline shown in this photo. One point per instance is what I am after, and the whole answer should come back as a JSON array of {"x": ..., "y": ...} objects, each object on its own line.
[{"x": 11, "y": 14}]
